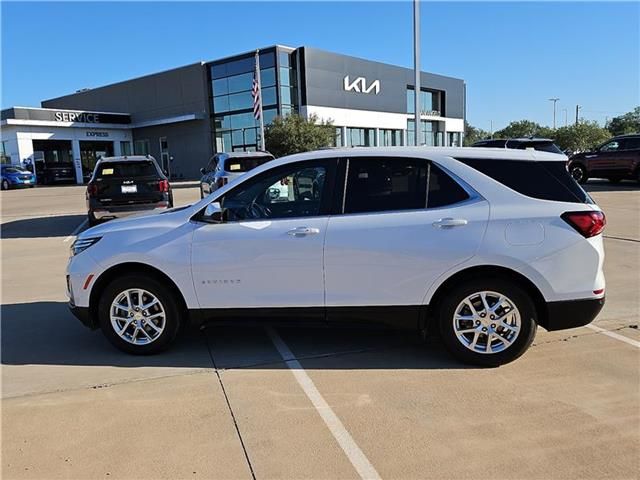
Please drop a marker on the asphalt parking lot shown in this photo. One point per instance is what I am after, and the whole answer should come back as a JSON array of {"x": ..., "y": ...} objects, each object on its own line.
[{"x": 294, "y": 402}]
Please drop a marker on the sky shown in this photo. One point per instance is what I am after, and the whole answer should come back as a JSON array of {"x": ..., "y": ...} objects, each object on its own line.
[{"x": 513, "y": 56}]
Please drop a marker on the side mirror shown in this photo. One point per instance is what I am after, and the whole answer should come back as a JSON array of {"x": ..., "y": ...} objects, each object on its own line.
[
  {"x": 203, "y": 171},
  {"x": 214, "y": 213},
  {"x": 166, "y": 173}
]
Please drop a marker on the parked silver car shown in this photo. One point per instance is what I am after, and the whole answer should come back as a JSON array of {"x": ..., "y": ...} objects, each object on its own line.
[{"x": 224, "y": 167}]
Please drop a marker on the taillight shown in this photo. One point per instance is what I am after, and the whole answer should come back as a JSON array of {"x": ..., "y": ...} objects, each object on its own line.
[
  {"x": 221, "y": 182},
  {"x": 92, "y": 189},
  {"x": 587, "y": 224},
  {"x": 163, "y": 186}
]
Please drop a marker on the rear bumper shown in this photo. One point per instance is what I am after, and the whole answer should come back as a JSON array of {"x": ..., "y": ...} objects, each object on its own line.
[
  {"x": 572, "y": 313},
  {"x": 100, "y": 212}
]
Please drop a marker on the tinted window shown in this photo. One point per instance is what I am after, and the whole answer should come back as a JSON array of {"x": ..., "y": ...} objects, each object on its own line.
[
  {"x": 631, "y": 144},
  {"x": 296, "y": 191},
  {"x": 541, "y": 146},
  {"x": 128, "y": 169},
  {"x": 379, "y": 184},
  {"x": 610, "y": 147},
  {"x": 13, "y": 170},
  {"x": 542, "y": 180},
  {"x": 443, "y": 190},
  {"x": 236, "y": 165},
  {"x": 490, "y": 144}
]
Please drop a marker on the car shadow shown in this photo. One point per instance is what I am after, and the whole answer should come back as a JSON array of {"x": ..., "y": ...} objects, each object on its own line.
[
  {"x": 41, "y": 227},
  {"x": 607, "y": 186},
  {"x": 46, "y": 333}
]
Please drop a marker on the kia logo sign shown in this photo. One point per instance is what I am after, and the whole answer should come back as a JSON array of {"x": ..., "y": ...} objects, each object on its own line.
[
  {"x": 82, "y": 117},
  {"x": 359, "y": 85}
]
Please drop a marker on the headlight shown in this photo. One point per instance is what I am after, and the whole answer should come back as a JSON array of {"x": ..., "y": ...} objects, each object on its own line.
[{"x": 81, "y": 244}]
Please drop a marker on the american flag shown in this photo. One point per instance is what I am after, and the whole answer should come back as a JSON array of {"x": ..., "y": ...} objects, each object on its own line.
[{"x": 255, "y": 93}]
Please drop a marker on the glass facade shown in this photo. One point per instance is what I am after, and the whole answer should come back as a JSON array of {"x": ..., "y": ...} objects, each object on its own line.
[
  {"x": 429, "y": 134},
  {"x": 235, "y": 128},
  {"x": 430, "y": 102},
  {"x": 361, "y": 137},
  {"x": 390, "y": 138},
  {"x": 4, "y": 158}
]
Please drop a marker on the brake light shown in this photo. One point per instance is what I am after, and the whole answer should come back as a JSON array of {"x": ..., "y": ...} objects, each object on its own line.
[
  {"x": 163, "y": 186},
  {"x": 92, "y": 189},
  {"x": 587, "y": 224},
  {"x": 221, "y": 182}
]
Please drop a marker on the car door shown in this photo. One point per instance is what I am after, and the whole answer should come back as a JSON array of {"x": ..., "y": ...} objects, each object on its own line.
[
  {"x": 628, "y": 156},
  {"x": 604, "y": 161},
  {"x": 268, "y": 251},
  {"x": 393, "y": 240}
]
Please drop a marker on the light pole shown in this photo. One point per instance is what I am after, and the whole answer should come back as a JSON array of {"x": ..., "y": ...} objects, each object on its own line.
[
  {"x": 416, "y": 67},
  {"x": 578, "y": 107},
  {"x": 565, "y": 116},
  {"x": 554, "y": 100}
]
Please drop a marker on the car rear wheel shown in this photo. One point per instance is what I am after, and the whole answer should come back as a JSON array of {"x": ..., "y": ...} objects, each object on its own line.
[
  {"x": 579, "y": 173},
  {"x": 487, "y": 322},
  {"x": 5, "y": 185},
  {"x": 139, "y": 315}
]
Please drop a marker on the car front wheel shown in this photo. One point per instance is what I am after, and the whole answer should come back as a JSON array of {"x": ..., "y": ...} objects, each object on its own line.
[
  {"x": 487, "y": 322},
  {"x": 5, "y": 185},
  {"x": 579, "y": 173},
  {"x": 139, "y": 315}
]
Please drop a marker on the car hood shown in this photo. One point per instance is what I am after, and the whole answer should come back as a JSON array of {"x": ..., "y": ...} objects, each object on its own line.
[{"x": 143, "y": 225}]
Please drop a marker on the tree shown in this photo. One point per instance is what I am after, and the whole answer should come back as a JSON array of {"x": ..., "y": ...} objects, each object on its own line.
[
  {"x": 524, "y": 128},
  {"x": 581, "y": 137},
  {"x": 295, "y": 134},
  {"x": 627, "y": 123},
  {"x": 473, "y": 134}
]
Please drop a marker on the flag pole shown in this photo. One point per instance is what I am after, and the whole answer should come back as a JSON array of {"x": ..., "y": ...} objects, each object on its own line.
[{"x": 262, "y": 140}]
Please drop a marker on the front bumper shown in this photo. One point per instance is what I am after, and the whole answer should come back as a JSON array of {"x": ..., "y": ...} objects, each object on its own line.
[
  {"x": 101, "y": 212},
  {"x": 572, "y": 313},
  {"x": 20, "y": 182},
  {"x": 82, "y": 314}
]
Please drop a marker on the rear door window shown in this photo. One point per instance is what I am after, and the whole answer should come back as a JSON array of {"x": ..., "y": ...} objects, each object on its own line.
[
  {"x": 541, "y": 180},
  {"x": 391, "y": 184}
]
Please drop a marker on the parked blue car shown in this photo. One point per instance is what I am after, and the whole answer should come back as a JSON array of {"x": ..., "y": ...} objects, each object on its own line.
[{"x": 14, "y": 177}]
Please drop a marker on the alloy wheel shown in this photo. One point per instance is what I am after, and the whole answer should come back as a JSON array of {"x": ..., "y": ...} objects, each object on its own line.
[
  {"x": 137, "y": 316},
  {"x": 487, "y": 322}
]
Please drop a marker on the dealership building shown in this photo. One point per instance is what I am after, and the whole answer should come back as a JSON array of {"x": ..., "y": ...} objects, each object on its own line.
[{"x": 185, "y": 115}]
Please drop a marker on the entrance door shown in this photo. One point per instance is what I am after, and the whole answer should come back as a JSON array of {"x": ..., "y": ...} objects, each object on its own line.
[
  {"x": 393, "y": 241},
  {"x": 165, "y": 159},
  {"x": 269, "y": 251}
]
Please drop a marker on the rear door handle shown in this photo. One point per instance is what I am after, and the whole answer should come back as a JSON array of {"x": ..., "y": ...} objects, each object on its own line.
[
  {"x": 303, "y": 231},
  {"x": 449, "y": 222}
]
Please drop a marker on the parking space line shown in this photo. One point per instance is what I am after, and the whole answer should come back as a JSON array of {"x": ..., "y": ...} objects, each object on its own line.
[
  {"x": 75, "y": 232},
  {"x": 617, "y": 336},
  {"x": 356, "y": 456}
]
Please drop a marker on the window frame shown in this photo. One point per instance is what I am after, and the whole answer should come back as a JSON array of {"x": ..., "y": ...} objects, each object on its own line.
[{"x": 330, "y": 165}]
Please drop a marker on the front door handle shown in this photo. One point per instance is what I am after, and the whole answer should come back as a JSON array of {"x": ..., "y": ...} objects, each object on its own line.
[
  {"x": 449, "y": 222},
  {"x": 303, "y": 231}
]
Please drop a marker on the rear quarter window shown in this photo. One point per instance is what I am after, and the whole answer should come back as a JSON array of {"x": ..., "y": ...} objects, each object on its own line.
[{"x": 541, "y": 180}]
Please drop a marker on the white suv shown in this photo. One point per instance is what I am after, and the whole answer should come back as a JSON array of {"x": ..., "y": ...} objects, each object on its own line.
[{"x": 480, "y": 244}]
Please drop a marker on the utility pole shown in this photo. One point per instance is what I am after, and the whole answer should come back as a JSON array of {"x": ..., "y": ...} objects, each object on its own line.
[
  {"x": 491, "y": 129},
  {"x": 565, "y": 116},
  {"x": 554, "y": 100},
  {"x": 578, "y": 107},
  {"x": 416, "y": 67}
]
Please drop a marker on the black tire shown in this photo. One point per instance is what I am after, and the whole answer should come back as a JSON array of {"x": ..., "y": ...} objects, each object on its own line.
[
  {"x": 92, "y": 220},
  {"x": 171, "y": 304},
  {"x": 579, "y": 173},
  {"x": 515, "y": 294},
  {"x": 5, "y": 185}
]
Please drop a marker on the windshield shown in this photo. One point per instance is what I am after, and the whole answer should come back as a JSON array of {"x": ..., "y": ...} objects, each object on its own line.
[
  {"x": 234, "y": 165},
  {"x": 128, "y": 169},
  {"x": 540, "y": 146}
]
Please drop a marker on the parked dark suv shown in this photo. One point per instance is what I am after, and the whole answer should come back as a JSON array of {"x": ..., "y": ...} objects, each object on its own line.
[
  {"x": 122, "y": 186},
  {"x": 224, "y": 167},
  {"x": 615, "y": 160},
  {"x": 542, "y": 144}
]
